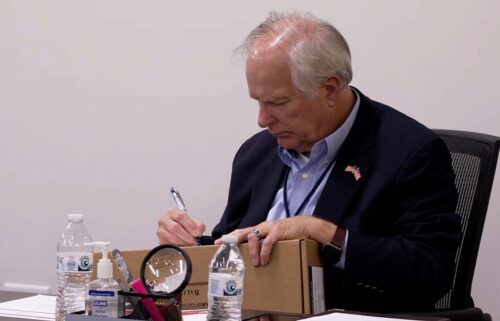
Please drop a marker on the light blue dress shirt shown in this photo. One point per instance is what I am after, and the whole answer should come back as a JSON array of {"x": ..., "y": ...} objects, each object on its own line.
[{"x": 305, "y": 172}]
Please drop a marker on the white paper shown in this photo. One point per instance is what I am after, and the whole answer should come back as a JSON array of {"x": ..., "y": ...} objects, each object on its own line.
[
  {"x": 42, "y": 307},
  {"x": 38, "y": 307},
  {"x": 194, "y": 315},
  {"x": 337, "y": 316},
  {"x": 317, "y": 289}
]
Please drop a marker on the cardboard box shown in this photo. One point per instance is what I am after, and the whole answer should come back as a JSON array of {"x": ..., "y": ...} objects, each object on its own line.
[{"x": 291, "y": 282}]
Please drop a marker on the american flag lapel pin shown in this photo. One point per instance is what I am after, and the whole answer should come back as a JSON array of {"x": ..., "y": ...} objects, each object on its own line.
[{"x": 354, "y": 170}]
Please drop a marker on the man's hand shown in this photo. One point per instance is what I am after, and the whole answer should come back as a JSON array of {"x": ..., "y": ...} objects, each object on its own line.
[
  {"x": 177, "y": 228},
  {"x": 297, "y": 227}
]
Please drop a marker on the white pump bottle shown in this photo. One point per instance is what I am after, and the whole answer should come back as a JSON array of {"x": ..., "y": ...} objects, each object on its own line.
[{"x": 101, "y": 295}]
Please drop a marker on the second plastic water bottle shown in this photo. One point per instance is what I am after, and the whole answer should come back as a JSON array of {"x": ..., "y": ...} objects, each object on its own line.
[
  {"x": 74, "y": 267},
  {"x": 225, "y": 282}
]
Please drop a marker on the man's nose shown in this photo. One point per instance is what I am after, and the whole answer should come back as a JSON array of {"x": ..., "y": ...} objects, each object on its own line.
[{"x": 265, "y": 117}]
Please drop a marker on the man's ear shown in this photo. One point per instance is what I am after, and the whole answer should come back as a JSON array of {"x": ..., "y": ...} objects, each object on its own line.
[{"x": 332, "y": 87}]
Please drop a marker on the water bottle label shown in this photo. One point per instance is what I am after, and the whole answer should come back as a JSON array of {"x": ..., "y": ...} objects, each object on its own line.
[
  {"x": 223, "y": 284},
  {"x": 74, "y": 262}
]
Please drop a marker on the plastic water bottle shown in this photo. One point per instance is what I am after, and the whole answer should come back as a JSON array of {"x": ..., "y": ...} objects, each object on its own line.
[
  {"x": 74, "y": 267},
  {"x": 225, "y": 282}
]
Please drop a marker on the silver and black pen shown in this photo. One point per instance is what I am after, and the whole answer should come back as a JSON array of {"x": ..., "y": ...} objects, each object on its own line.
[
  {"x": 181, "y": 206},
  {"x": 178, "y": 199}
]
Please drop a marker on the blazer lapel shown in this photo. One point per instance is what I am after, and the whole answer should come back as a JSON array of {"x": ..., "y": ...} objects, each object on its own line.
[
  {"x": 263, "y": 193},
  {"x": 354, "y": 158}
]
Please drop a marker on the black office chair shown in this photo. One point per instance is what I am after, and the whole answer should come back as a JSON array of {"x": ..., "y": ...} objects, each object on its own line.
[{"x": 474, "y": 158}]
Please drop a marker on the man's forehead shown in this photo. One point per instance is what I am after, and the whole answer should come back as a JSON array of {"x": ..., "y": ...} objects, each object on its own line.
[
  {"x": 267, "y": 65},
  {"x": 263, "y": 51}
]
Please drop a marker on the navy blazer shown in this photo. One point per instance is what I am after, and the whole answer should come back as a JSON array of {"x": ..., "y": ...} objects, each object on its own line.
[{"x": 403, "y": 232}]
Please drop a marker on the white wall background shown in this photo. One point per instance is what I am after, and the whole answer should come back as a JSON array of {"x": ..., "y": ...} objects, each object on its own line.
[{"x": 106, "y": 104}]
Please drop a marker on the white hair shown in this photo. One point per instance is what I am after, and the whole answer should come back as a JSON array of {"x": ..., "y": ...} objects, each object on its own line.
[{"x": 316, "y": 49}]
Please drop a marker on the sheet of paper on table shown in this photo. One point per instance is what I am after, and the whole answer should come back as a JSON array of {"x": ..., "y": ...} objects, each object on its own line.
[
  {"x": 194, "y": 315},
  {"x": 42, "y": 307},
  {"x": 38, "y": 307},
  {"x": 339, "y": 316}
]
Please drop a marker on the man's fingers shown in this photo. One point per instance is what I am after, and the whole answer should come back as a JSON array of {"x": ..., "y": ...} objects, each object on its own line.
[
  {"x": 194, "y": 227},
  {"x": 240, "y": 233},
  {"x": 169, "y": 238},
  {"x": 177, "y": 234},
  {"x": 266, "y": 247},
  {"x": 261, "y": 238},
  {"x": 197, "y": 229},
  {"x": 253, "y": 248},
  {"x": 177, "y": 228}
]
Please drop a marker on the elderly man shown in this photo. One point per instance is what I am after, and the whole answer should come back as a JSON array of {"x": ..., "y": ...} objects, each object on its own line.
[{"x": 372, "y": 185}]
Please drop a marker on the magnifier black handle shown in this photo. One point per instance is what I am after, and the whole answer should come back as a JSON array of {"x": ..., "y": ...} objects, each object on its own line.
[{"x": 140, "y": 312}]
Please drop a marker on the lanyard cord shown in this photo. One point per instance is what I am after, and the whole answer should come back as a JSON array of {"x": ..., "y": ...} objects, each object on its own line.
[{"x": 308, "y": 197}]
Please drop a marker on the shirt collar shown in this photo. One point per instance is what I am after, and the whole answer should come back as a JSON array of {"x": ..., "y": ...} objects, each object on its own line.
[{"x": 326, "y": 148}]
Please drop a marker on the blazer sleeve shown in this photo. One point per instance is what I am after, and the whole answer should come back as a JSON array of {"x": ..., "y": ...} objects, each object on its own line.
[
  {"x": 238, "y": 199},
  {"x": 413, "y": 259}
]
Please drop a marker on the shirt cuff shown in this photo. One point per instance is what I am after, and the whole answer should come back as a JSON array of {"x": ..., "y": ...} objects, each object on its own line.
[{"x": 341, "y": 263}]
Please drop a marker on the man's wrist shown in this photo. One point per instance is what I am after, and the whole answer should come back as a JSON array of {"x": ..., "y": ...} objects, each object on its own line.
[
  {"x": 332, "y": 250},
  {"x": 321, "y": 231},
  {"x": 338, "y": 238}
]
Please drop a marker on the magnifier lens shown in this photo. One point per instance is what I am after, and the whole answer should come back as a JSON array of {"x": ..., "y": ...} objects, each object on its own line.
[{"x": 166, "y": 270}]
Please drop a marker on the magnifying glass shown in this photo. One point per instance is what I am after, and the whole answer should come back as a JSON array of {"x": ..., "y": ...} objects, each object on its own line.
[{"x": 166, "y": 269}]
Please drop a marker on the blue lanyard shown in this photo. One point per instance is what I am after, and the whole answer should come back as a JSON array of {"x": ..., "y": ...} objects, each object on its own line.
[{"x": 308, "y": 197}]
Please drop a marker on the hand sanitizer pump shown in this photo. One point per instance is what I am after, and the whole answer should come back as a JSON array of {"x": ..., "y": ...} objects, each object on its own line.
[{"x": 101, "y": 295}]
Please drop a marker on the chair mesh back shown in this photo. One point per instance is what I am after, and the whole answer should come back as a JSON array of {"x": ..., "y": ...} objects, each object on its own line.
[
  {"x": 467, "y": 169},
  {"x": 474, "y": 159}
]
